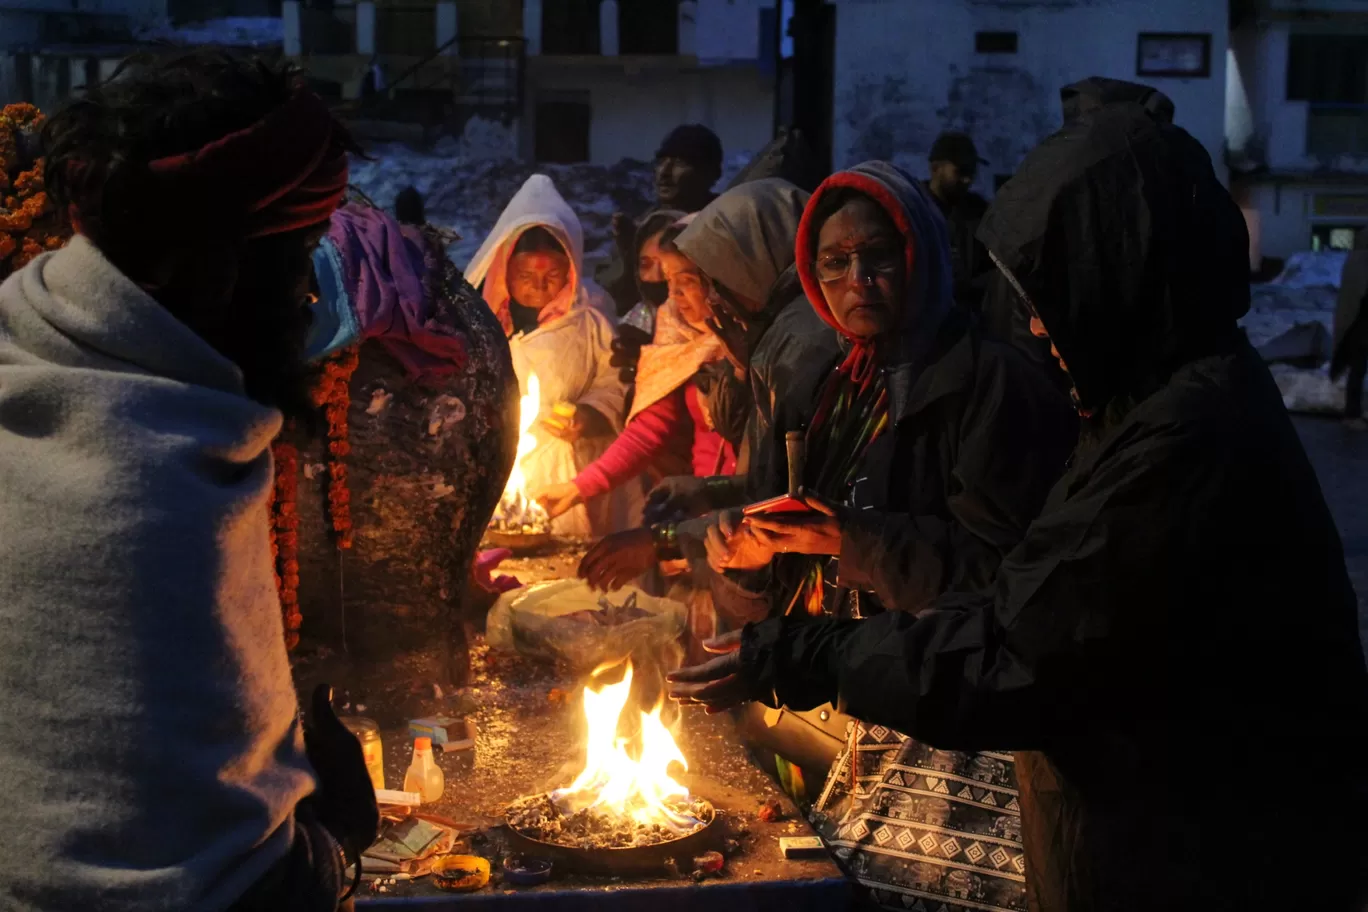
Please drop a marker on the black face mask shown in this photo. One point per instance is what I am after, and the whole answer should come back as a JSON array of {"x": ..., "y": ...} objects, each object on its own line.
[{"x": 655, "y": 293}]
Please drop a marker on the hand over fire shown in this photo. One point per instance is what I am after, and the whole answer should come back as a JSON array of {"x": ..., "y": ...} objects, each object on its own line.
[
  {"x": 558, "y": 499},
  {"x": 733, "y": 546},
  {"x": 618, "y": 559},
  {"x": 717, "y": 684}
]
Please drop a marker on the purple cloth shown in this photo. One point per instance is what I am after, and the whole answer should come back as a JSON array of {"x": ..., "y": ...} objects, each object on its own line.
[{"x": 392, "y": 276}]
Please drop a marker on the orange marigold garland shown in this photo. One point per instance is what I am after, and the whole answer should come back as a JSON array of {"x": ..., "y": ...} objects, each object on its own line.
[
  {"x": 333, "y": 395},
  {"x": 285, "y": 537},
  {"x": 29, "y": 223}
]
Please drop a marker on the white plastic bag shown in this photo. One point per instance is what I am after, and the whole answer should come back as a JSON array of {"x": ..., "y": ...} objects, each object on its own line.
[{"x": 548, "y": 621}]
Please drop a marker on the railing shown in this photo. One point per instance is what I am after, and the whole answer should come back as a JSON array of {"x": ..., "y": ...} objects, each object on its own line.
[
  {"x": 483, "y": 75},
  {"x": 1335, "y": 130}
]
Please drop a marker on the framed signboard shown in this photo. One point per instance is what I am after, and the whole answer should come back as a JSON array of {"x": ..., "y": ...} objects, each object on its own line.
[{"x": 1180, "y": 54}]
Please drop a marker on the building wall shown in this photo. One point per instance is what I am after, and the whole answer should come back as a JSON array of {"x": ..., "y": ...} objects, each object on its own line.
[
  {"x": 1285, "y": 198},
  {"x": 632, "y": 111},
  {"x": 907, "y": 70}
]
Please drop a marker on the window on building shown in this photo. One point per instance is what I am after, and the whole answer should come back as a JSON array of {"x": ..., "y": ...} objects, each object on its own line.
[
  {"x": 562, "y": 130},
  {"x": 1328, "y": 69},
  {"x": 995, "y": 42},
  {"x": 1331, "y": 73},
  {"x": 1334, "y": 237},
  {"x": 648, "y": 26},
  {"x": 570, "y": 27}
]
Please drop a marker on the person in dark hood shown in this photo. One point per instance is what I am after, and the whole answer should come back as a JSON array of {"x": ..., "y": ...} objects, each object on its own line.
[
  {"x": 687, "y": 166},
  {"x": 1177, "y": 632},
  {"x": 954, "y": 163},
  {"x": 1002, "y": 315}
]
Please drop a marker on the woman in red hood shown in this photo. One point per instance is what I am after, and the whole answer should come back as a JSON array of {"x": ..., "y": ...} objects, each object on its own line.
[{"x": 928, "y": 451}]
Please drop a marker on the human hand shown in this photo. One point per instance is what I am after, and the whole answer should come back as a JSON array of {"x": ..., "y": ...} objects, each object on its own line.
[
  {"x": 676, "y": 497},
  {"x": 733, "y": 546},
  {"x": 558, "y": 499},
  {"x": 618, "y": 559},
  {"x": 717, "y": 684},
  {"x": 818, "y": 532}
]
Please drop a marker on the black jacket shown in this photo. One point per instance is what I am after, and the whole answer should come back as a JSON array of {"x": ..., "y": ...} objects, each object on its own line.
[
  {"x": 1173, "y": 649},
  {"x": 980, "y": 437},
  {"x": 968, "y": 257}
]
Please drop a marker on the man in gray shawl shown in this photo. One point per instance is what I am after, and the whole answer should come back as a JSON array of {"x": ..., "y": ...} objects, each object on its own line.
[{"x": 151, "y": 752}]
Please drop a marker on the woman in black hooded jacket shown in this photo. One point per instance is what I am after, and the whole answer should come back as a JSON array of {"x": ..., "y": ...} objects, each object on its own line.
[{"x": 1173, "y": 649}]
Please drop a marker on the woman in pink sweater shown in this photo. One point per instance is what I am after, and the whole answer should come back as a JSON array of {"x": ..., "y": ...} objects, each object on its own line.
[{"x": 667, "y": 415}]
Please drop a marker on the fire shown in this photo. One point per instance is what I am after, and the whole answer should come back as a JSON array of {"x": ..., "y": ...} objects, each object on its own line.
[
  {"x": 614, "y": 783},
  {"x": 517, "y": 512}
]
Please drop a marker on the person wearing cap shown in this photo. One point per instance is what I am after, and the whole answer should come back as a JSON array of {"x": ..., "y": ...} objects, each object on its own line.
[
  {"x": 954, "y": 164},
  {"x": 687, "y": 165},
  {"x": 153, "y": 755}
]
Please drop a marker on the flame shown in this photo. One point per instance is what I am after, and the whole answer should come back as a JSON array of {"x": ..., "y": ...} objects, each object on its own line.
[
  {"x": 612, "y": 781},
  {"x": 517, "y": 511}
]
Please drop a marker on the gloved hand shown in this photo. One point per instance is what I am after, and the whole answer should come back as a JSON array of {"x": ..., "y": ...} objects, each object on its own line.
[
  {"x": 345, "y": 800},
  {"x": 626, "y": 351}
]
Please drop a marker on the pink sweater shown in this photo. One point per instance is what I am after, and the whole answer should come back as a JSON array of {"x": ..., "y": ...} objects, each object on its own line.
[{"x": 665, "y": 426}]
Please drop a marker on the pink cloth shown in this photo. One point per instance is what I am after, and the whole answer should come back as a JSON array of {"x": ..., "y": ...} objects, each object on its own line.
[{"x": 671, "y": 423}]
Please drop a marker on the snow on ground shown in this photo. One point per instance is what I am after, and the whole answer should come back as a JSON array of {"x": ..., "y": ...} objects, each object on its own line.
[
  {"x": 238, "y": 31},
  {"x": 1307, "y": 269},
  {"x": 466, "y": 182},
  {"x": 1274, "y": 309}
]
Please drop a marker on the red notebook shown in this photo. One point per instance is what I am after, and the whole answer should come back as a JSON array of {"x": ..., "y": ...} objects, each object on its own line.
[{"x": 784, "y": 503}]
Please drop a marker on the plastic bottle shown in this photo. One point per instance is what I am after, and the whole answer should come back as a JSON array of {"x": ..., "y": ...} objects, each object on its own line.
[{"x": 424, "y": 776}]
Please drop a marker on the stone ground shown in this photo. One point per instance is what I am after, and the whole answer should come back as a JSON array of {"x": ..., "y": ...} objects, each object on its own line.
[{"x": 1340, "y": 456}]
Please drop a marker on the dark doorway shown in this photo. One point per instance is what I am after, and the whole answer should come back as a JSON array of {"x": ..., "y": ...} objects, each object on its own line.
[
  {"x": 648, "y": 27},
  {"x": 570, "y": 27},
  {"x": 562, "y": 132}
]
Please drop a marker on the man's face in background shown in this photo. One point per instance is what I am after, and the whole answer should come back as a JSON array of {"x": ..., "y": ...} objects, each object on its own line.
[{"x": 950, "y": 181}]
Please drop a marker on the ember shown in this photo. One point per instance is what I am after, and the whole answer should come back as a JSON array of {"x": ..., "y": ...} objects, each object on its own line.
[
  {"x": 518, "y": 513},
  {"x": 622, "y": 798}
]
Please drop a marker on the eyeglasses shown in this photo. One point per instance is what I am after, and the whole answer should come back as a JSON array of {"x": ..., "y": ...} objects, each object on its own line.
[{"x": 882, "y": 260}]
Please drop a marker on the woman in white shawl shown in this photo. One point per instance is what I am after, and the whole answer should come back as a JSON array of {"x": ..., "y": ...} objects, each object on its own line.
[{"x": 532, "y": 270}]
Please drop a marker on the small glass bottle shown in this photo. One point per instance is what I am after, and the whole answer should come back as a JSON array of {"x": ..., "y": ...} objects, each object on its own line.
[
  {"x": 368, "y": 733},
  {"x": 424, "y": 775}
]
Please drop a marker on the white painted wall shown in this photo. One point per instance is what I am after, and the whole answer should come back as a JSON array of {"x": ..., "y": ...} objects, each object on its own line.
[
  {"x": 729, "y": 29},
  {"x": 906, "y": 70},
  {"x": 632, "y": 113}
]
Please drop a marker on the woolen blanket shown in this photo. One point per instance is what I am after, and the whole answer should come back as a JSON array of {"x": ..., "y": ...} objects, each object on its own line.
[{"x": 150, "y": 749}]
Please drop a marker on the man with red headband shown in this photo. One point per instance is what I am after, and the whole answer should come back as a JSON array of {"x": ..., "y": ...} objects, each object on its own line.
[{"x": 151, "y": 753}]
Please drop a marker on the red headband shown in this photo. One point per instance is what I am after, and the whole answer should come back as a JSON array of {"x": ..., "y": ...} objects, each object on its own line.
[{"x": 282, "y": 173}]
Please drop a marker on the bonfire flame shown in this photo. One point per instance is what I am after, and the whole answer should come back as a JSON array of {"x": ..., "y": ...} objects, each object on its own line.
[
  {"x": 615, "y": 783},
  {"x": 517, "y": 512}
]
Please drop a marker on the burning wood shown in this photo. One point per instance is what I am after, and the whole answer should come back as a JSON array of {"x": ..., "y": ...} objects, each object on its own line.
[
  {"x": 519, "y": 514},
  {"x": 625, "y": 797}
]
